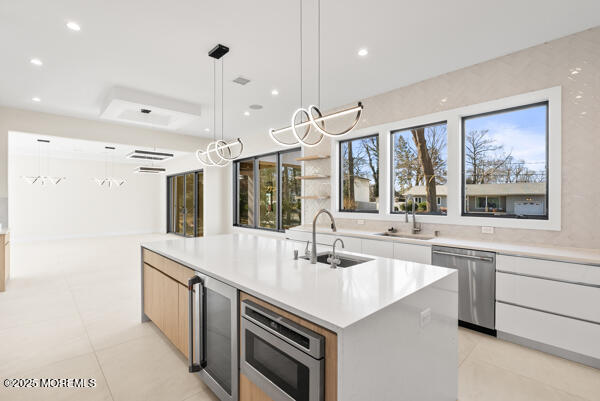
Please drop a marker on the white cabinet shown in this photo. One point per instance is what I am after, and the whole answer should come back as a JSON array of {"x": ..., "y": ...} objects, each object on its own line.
[
  {"x": 550, "y": 302},
  {"x": 413, "y": 253},
  {"x": 549, "y": 268},
  {"x": 578, "y": 301},
  {"x": 558, "y": 331},
  {"x": 374, "y": 247}
]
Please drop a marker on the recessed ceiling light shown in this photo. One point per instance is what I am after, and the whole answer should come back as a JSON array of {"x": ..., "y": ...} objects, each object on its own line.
[
  {"x": 36, "y": 61},
  {"x": 274, "y": 92},
  {"x": 206, "y": 129},
  {"x": 74, "y": 26},
  {"x": 36, "y": 99},
  {"x": 246, "y": 113},
  {"x": 363, "y": 52}
]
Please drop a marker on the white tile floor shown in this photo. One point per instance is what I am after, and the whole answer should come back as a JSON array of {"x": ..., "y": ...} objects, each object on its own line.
[{"x": 72, "y": 309}]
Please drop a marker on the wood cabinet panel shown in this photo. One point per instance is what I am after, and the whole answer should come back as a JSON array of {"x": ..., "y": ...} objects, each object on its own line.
[
  {"x": 183, "y": 331},
  {"x": 151, "y": 294},
  {"x": 250, "y": 391},
  {"x": 170, "y": 305},
  {"x": 4, "y": 262},
  {"x": 172, "y": 269},
  {"x": 331, "y": 353}
]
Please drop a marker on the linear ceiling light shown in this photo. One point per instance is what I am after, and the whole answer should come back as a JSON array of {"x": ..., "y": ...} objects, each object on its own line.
[
  {"x": 219, "y": 153},
  {"x": 149, "y": 155},
  {"x": 149, "y": 170},
  {"x": 311, "y": 117}
]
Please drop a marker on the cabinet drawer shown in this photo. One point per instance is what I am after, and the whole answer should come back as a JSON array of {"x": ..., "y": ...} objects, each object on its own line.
[
  {"x": 562, "y": 332},
  {"x": 378, "y": 248},
  {"x": 413, "y": 253},
  {"x": 573, "y": 300},
  {"x": 167, "y": 266},
  {"x": 548, "y": 268}
]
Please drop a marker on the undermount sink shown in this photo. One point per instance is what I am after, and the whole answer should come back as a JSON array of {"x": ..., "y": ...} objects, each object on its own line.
[
  {"x": 404, "y": 235},
  {"x": 345, "y": 259}
]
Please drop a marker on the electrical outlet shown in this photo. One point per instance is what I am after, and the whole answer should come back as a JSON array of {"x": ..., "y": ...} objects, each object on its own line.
[
  {"x": 425, "y": 317},
  {"x": 487, "y": 229},
  {"x": 360, "y": 222}
]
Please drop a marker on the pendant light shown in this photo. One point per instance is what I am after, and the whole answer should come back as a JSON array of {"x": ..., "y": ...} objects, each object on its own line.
[
  {"x": 311, "y": 117},
  {"x": 219, "y": 153},
  {"x": 109, "y": 181},
  {"x": 39, "y": 178}
]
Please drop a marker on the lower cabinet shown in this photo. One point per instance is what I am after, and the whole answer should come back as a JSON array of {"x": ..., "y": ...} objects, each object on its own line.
[
  {"x": 413, "y": 253},
  {"x": 166, "y": 303},
  {"x": 4, "y": 260}
]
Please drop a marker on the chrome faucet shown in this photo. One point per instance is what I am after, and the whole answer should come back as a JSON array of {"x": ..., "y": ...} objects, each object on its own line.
[
  {"x": 416, "y": 228},
  {"x": 313, "y": 253},
  {"x": 333, "y": 259}
]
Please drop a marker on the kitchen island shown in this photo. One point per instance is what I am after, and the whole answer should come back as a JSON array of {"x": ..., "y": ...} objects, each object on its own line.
[{"x": 388, "y": 327}]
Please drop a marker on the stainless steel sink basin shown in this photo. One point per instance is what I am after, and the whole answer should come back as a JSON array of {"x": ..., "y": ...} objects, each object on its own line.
[
  {"x": 345, "y": 259},
  {"x": 404, "y": 235}
]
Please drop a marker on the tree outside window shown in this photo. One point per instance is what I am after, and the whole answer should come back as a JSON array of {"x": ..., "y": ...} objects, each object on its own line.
[{"x": 359, "y": 160}]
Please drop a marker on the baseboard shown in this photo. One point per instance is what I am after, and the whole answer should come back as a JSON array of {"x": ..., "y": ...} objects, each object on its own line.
[
  {"x": 550, "y": 349},
  {"x": 16, "y": 239}
]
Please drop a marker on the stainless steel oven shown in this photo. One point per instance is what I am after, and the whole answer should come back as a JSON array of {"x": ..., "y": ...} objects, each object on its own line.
[
  {"x": 284, "y": 359},
  {"x": 213, "y": 337}
]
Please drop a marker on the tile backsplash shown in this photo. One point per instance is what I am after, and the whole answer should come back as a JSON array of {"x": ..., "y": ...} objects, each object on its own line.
[{"x": 539, "y": 67}]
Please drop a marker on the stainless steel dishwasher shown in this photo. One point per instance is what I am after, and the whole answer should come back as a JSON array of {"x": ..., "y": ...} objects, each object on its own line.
[{"x": 476, "y": 285}]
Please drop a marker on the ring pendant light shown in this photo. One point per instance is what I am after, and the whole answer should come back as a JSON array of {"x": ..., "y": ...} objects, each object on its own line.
[
  {"x": 219, "y": 153},
  {"x": 312, "y": 116}
]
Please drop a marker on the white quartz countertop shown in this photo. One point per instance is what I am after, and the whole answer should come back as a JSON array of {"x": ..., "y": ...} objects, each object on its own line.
[
  {"x": 550, "y": 252},
  {"x": 265, "y": 267}
]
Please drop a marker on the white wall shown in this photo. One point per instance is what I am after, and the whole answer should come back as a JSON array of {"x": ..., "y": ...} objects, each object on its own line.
[
  {"x": 78, "y": 207},
  {"x": 69, "y": 127}
]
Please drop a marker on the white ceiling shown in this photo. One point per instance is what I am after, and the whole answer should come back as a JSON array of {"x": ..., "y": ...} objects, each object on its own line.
[
  {"x": 161, "y": 47},
  {"x": 78, "y": 149}
]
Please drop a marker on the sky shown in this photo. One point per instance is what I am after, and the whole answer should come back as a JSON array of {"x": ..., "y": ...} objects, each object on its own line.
[{"x": 521, "y": 132}]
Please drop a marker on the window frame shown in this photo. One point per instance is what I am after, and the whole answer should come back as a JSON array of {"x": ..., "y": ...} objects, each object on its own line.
[
  {"x": 464, "y": 213},
  {"x": 256, "y": 185},
  {"x": 341, "y": 177},
  {"x": 391, "y": 164},
  {"x": 454, "y": 201}
]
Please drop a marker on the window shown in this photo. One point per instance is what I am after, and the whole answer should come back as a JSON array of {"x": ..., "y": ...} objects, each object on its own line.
[
  {"x": 419, "y": 168},
  {"x": 266, "y": 192},
  {"x": 359, "y": 165},
  {"x": 185, "y": 204},
  {"x": 505, "y": 163}
]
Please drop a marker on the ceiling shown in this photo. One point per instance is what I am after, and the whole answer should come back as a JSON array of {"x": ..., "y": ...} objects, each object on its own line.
[
  {"x": 78, "y": 149},
  {"x": 161, "y": 47}
]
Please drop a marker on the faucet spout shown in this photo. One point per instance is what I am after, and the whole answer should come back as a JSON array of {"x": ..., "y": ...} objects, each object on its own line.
[{"x": 313, "y": 253}]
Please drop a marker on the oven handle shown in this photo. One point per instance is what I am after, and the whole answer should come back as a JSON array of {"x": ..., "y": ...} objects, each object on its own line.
[{"x": 196, "y": 367}]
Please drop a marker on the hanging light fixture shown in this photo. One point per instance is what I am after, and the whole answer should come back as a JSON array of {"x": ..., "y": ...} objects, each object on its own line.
[
  {"x": 311, "y": 117},
  {"x": 42, "y": 179},
  {"x": 109, "y": 181},
  {"x": 219, "y": 153}
]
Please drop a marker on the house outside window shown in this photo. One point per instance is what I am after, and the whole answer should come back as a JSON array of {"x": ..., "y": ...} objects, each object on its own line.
[
  {"x": 505, "y": 163},
  {"x": 359, "y": 165}
]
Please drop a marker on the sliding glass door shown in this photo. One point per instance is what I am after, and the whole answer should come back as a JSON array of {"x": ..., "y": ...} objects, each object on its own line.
[{"x": 185, "y": 204}]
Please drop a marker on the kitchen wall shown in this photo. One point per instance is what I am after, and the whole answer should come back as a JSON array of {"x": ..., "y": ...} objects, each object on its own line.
[
  {"x": 78, "y": 207},
  {"x": 54, "y": 125},
  {"x": 540, "y": 67}
]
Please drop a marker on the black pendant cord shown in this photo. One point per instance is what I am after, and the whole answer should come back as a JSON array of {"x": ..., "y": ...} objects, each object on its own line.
[
  {"x": 214, "y": 122},
  {"x": 222, "y": 96}
]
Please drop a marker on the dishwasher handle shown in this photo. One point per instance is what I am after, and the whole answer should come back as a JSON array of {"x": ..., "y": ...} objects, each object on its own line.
[{"x": 481, "y": 258}]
